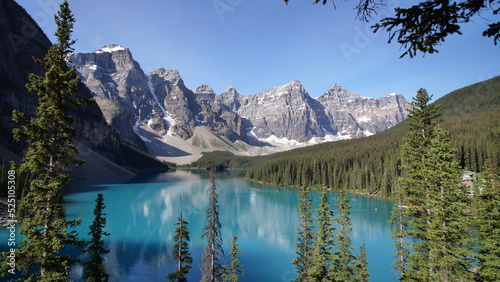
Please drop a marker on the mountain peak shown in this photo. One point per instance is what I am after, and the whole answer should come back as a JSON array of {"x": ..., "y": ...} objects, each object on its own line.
[
  {"x": 393, "y": 95},
  {"x": 230, "y": 89},
  {"x": 336, "y": 87},
  {"x": 172, "y": 75},
  {"x": 340, "y": 93},
  {"x": 294, "y": 86},
  {"x": 294, "y": 82},
  {"x": 203, "y": 89}
]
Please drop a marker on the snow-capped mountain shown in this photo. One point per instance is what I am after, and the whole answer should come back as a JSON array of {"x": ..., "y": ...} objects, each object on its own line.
[{"x": 159, "y": 109}]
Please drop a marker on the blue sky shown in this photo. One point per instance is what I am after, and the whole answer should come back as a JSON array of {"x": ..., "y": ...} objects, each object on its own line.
[{"x": 258, "y": 44}]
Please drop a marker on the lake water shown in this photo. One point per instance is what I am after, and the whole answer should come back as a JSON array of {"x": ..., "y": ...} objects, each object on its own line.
[{"x": 142, "y": 212}]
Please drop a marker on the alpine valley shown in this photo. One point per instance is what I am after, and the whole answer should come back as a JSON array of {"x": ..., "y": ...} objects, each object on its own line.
[{"x": 160, "y": 115}]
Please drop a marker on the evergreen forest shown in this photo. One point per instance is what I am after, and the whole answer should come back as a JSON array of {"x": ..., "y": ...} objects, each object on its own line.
[{"x": 371, "y": 165}]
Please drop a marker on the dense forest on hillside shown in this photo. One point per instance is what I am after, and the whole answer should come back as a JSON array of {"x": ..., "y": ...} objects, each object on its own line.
[
  {"x": 222, "y": 160},
  {"x": 371, "y": 164}
]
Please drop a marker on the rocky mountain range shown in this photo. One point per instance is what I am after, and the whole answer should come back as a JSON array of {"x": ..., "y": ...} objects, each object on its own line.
[
  {"x": 177, "y": 123},
  {"x": 157, "y": 113}
]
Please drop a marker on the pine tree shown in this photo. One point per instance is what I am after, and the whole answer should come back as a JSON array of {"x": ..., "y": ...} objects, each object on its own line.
[
  {"x": 399, "y": 236},
  {"x": 303, "y": 261},
  {"x": 235, "y": 268},
  {"x": 212, "y": 268},
  {"x": 436, "y": 204},
  {"x": 181, "y": 251},
  {"x": 488, "y": 223},
  {"x": 448, "y": 234},
  {"x": 413, "y": 183},
  {"x": 324, "y": 244},
  {"x": 361, "y": 272},
  {"x": 49, "y": 157},
  {"x": 94, "y": 269},
  {"x": 344, "y": 261}
]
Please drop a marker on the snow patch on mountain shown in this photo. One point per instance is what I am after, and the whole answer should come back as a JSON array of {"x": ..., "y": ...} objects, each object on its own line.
[
  {"x": 136, "y": 131},
  {"x": 285, "y": 142},
  {"x": 364, "y": 119},
  {"x": 166, "y": 116},
  {"x": 368, "y": 133},
  {"x": 110, "y": 48},
  {"x": 282, "y": 141},
  {"x": 153, "y": 92},
  {"x": 197, "y": 118}
]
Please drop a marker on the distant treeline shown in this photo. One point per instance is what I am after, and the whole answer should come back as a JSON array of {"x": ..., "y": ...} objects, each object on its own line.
[
  {"x": 371, "y": 164},
  {"x": 222, "y": 160}
]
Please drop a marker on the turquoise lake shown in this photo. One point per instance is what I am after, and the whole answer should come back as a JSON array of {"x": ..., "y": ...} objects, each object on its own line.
[{"x": 141, "y": 215}]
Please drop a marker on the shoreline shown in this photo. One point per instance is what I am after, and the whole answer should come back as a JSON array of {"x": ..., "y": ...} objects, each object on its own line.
[{"x": 362, "y": 193}]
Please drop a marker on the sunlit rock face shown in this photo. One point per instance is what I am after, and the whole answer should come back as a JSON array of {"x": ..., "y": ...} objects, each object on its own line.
[
  {"x": 121, "y": 88},
  {"x": 356, "y": 116},
  {"x": 284, "y": 112},
  {"x": 130, "y": 98}
]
